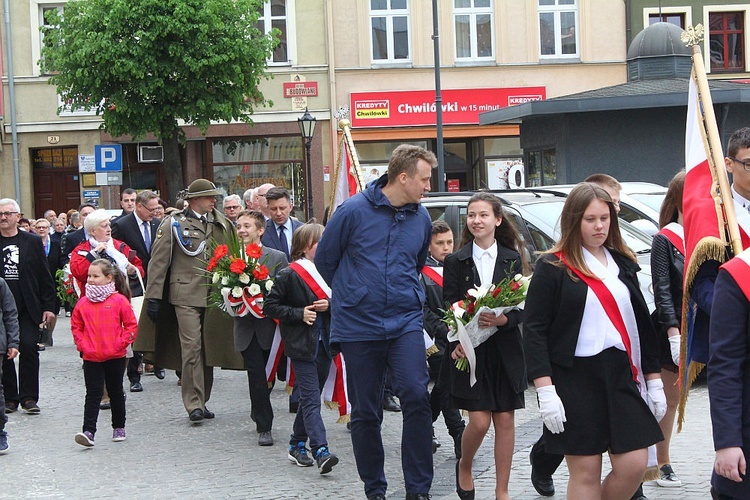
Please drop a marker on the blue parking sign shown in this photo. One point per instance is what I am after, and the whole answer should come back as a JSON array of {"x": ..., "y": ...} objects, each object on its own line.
[{"x": 108, "y": 157}]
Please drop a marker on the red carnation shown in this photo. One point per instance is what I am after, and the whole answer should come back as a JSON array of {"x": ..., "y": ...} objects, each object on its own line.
[
  {"x": 260, "y": 272},
  {"x": 497, "y": 291},
  {"x": 253, "y": 251},
  {"x": 221, "y": 251},
  {"x": 211, "y": 264},
  {"x": 69, "y": 291},
  {"x": 237, "y": 266},
  {"x": 470, "y": 309},
  {"x": 515, "y": 285}
]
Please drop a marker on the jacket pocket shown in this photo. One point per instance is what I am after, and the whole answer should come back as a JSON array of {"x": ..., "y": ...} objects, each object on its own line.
[{"x": 353, "y": 297}]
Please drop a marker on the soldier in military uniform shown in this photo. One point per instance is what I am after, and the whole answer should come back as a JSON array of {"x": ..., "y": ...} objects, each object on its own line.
[{"x": 177, "y": 290}]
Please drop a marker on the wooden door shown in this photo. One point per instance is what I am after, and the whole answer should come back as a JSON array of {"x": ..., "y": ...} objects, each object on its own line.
[{"x": 57, "y": 189}]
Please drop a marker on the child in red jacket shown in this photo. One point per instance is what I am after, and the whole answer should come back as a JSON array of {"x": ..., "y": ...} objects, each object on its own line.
[{"x": 103, "y": 325}]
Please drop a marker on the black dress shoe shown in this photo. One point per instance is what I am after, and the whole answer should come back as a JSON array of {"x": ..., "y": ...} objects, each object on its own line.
[
  {"x": 265, "y": 438},
  {"x": 463, "y": 494},
  {"x": 544, "y": 485},
  {"x": 390, "y": 404},
  {"x": 418, "y": 496},
  {"x": 376, "y": 497},
  {"x": 136, "y": 387},
  {"x": 208, "y": 414},
  {"x": 159, "y": 373},
  {"x": 196, "y": 415}
]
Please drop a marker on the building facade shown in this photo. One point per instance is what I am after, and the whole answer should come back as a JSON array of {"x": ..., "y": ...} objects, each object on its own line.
[{"x": 374, "y": 56}]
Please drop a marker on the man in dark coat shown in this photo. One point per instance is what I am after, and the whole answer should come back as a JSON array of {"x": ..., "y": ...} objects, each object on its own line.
[
  {"x": 138, "y": 230},
  {"x": 24, "y": 268}
]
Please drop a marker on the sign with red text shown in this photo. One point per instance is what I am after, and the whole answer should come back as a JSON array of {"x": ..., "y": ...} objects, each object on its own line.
[
  {"x": 417, "y": 107},
  {"x": 300, "y": 89}
]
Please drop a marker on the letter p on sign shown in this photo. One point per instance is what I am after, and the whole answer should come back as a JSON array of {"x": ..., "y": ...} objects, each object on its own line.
[{"x": 108, "y": 157}]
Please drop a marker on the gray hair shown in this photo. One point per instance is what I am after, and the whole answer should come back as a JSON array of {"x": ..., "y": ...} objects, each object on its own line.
[
  {"x": 248, "y": 196},
  {"x": 145, "y": 196},
  {"x": 94, "y": 219},
  {"x": 231, "y": 197},
  {"x": 10, "y": 201}
]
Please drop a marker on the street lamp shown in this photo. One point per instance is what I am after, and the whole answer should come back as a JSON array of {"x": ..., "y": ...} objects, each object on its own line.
[{"x": 307, "y": 127}]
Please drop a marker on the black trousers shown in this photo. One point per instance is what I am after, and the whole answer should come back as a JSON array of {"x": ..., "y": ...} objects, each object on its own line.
[
  {"x": 97, "y": 375},
  {"x": 440, "y": 400},
  {"x": 25, "y": 386},
  {"x": 544, "y": 463},
  {"x": 261, "y": 410}
]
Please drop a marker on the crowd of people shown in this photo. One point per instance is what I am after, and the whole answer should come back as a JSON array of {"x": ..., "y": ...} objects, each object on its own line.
[{"x": 369, "y": 285}]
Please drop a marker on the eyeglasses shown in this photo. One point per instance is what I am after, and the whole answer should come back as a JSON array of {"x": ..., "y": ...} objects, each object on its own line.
[
  {"x": 152, "y": 210},
  {"x": 232, "y": 208},
  {"x": 7, "y": 214},
  {"x": 745, "y": 163}
]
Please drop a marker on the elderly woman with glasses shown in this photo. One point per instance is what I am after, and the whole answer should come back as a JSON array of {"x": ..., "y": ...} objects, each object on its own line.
[{"x": 101, "y": 245}]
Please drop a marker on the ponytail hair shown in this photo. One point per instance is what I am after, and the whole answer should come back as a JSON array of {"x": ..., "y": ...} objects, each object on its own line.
[{"x": 120, "y": 280}]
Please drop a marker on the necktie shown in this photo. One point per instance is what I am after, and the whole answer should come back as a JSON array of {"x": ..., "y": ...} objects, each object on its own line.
[
  {"x": 282, "y": 240},
  {"x": 147, "y": 236}
]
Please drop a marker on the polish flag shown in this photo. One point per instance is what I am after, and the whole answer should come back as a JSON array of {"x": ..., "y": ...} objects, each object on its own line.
[{"x": 346, "y": 183}]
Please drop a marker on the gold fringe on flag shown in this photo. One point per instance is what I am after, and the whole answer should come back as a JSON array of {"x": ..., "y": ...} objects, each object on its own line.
[
  {"x": 432, "y": 350},
  {"x": 652, "y": 474}
]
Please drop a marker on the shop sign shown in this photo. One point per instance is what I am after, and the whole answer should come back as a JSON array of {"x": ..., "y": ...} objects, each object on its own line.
[
  {"x": 417, "y": 107},
  {"x": 300, "y": 89}
]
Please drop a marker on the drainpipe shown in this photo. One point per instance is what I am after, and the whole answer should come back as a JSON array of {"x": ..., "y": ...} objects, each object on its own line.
[
  {"x": 628, "y": 24},
  {"x": 12, "y": 98}
]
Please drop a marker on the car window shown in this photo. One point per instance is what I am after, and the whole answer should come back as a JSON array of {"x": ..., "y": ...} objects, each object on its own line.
[
  {"x": 542, "y": 242},
  {"x": 654, "y": 201},
  {"x": 436, "y": 213},
  {"x": 637, "y": 240}
]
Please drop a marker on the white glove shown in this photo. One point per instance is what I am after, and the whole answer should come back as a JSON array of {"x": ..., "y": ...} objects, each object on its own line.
[
  {"x": 552, "y": 409},
  {"x": 674, "y": 348},
  {"x": 655, "y": 389}
]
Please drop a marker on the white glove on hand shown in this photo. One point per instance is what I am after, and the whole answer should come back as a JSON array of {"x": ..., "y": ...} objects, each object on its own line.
[
  {"x": 674, "y": 348},
  {"x": 655, "y": 389},
  {"x": 552, "y": 409}
]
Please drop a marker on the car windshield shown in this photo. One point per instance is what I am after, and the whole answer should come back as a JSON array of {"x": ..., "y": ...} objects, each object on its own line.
[
  {"x": 652, "y": 200},
  {"x": 549, "y": 213}
]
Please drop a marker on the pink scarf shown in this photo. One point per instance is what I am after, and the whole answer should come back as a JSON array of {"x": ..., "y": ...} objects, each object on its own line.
[{"x": 99, "y": 293}]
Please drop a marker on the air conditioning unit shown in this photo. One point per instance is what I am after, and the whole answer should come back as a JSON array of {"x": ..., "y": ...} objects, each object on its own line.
[{"x": 150, "y": 154}]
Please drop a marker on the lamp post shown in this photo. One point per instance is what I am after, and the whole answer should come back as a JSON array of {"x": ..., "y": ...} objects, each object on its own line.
[{"x": 307, "y": 127}]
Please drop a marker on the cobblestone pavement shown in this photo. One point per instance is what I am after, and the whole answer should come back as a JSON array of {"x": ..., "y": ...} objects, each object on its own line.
[{"x": 166, "y": 457}]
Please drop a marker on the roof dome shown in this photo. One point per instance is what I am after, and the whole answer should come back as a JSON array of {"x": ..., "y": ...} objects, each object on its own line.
[
  {"x": 659, "y": 39},
  {"x": 657, "y": 52}
]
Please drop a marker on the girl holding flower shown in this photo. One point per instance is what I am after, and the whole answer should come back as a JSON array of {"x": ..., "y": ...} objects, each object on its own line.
[
  {"x": 253, "y": 336},
  {"x": 489, "y": 254}
]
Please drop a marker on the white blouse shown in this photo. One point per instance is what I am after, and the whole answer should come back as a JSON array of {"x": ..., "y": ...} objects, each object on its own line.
[
  {"x": 484, "y": 260},
  {"x": 597, "y": 332}
]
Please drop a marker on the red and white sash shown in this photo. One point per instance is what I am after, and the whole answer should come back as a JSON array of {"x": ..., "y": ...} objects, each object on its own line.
[
  {"x": 739, "y": 269},
  {"x": 434, "y": 273},
  {"x": 610, "y": 308},
  {"x": 675, "y": 233},
  {"x": 312, "y": 278}
]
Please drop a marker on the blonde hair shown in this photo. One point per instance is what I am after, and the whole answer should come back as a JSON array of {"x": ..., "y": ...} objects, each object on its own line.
[{"x": 304, "y": 237}]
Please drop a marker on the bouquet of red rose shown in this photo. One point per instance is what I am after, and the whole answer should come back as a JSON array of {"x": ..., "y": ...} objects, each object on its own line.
[
  {"x": 239, "y": 276},
  {"x": 462, "y": 317},
  {"x": 66, "y": 286}
]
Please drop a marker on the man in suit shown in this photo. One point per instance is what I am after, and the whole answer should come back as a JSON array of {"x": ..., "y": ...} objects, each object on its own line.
[
  {"x": 278, "y": 235},
  {"x": 55, "y": 261},
  {"x": 24, "y": 268},
  {"x": 127, "y": 202},
  {"x": 260, "y": 201},
  {"x": 75, "y": 238},
  {"x": 138, "y": 230},
  {"x": 57, "y": 231},
  {"x": 253, "y": 336},
  {"x": 280, "y": 227},
  {"x": 232, "y": 206},
  {"x": 179, "y": 247}
]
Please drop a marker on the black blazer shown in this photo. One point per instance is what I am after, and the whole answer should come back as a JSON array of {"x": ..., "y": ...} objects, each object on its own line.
[
  {"x": 286, "y": 302},
  {"x": 55, "y": 258},
  {"x": 36, "y": 284},
  {"x": 554, "y": 311},
  {"x": 71, "y": 240},
  {"x": 459, "y": 275},
  {"x": 125, "y": 228}
]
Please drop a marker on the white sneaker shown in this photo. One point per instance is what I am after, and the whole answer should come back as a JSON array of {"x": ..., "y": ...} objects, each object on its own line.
[{"x": 668, "y": 478}]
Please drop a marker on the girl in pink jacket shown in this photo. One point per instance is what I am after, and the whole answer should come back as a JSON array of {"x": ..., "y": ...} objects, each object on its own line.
[{"x": 103, "y": 325}]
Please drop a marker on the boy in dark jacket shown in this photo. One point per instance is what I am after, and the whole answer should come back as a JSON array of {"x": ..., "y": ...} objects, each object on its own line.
[
  {"x": 300, "y": 300},
  {"x": 9, "y": 338},
  {"x": 432, "y": 282}
]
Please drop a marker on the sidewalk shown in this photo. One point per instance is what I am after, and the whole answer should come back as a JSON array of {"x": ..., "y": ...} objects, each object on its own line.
[{"x": 167, "y": 457}]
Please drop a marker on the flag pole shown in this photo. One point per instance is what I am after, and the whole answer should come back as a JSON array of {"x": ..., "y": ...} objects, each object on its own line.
[
  {"x": 712, "y": 143},
  {"x": 351, "y": 150}
]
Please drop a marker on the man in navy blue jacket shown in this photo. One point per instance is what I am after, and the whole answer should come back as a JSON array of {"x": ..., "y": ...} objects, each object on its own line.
[{"x": 371, "y": 253}]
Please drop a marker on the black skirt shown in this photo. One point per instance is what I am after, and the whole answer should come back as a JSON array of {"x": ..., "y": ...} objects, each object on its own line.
[
  {"x": 493, "y": 390},
  {"x": 603, "y": 407}
]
